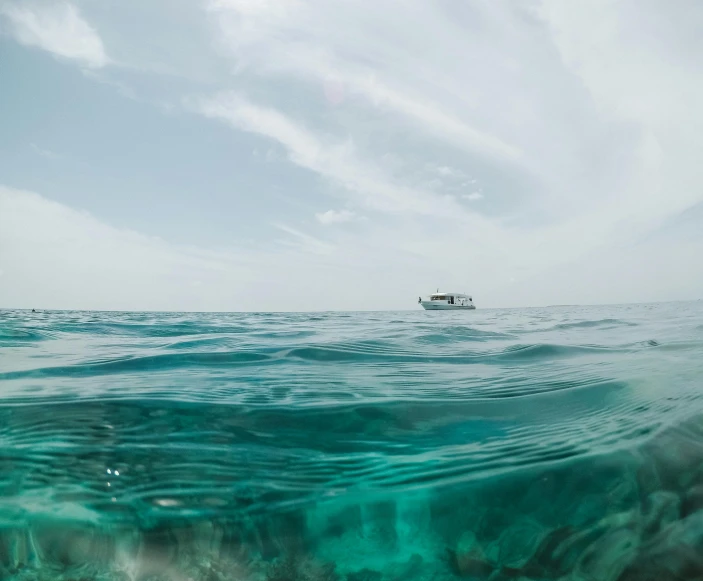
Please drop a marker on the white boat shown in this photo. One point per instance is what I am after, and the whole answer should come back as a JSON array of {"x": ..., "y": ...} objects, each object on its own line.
[{"x": 447, "y": 301}]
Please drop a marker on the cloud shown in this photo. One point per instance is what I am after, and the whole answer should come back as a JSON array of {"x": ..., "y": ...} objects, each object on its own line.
[
  {"x": 331, "y": 46},
  {"x": 581, "y": 122},
  {"x": 650, "y": 86},
  {"x": 446, "y": 171},
  {"x": 306, "y": 242},
  {"x": 304, "y": 148},
  {"x": 335, "y": 216},
  {"x": 331, "y": 159},
  {"x": 91, "y": 265},
  {"x": 483, "y": 115},
  {"x": 47, "y": 153},
  {"x": 570, "y": 170},
  {"x": 488, "y": 106},
  {"x": 58, "y": 28}
]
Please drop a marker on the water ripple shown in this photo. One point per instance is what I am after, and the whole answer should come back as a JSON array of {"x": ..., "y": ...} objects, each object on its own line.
[{"x": 150, "y": 420}]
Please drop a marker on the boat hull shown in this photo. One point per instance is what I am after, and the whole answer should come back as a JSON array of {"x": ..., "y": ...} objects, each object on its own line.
[{"x": 438, "y": 306}]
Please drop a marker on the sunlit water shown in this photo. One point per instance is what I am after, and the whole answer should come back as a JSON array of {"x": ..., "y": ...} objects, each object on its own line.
[{"x": 559, "y": 443}]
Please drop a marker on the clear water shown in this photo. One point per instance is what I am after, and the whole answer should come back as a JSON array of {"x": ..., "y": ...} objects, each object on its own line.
[{"x": 559, "y": 443}]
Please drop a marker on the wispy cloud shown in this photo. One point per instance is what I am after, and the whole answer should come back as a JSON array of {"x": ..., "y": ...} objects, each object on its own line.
[
  {"x": 47, "y": 153},
  {"x": 101, "y": 76},
  {"x": 335, "y": 216},
  {"x": 580, "y": 123},
  {"x": 94, "y": 265},
  {"x": 294, "y": 37},
  {"x": 485, "y": 102},
  {"x": 306, "y": 242},
  {"x": 58, "y": 28},
  {"x": 446, "y": 171},
  {"x": 336, "y": 161}
]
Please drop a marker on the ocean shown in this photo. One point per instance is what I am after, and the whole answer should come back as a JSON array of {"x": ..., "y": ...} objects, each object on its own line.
[{"x": 529, "y": 444}]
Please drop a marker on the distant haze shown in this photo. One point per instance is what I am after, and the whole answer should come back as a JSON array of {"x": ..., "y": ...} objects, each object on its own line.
[{"x": 318, "y": 155}]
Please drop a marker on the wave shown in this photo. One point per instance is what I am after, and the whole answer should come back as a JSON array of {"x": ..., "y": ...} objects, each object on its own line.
[
  {"x": 606, "y": 323},
  {"x": 153, "y": 363},
  {"x": 10, "y": 336},
  {"x": 384, "y": 444},
  {"x": 368, "y": 352},
  {"x": 455, "y": 333}
]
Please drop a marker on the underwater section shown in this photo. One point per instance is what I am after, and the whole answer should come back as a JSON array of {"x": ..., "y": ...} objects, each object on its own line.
[{"x": 554, "y": 444}]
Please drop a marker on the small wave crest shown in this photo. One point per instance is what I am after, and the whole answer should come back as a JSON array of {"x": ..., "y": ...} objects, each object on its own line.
[{"x": 605, "y": 323}]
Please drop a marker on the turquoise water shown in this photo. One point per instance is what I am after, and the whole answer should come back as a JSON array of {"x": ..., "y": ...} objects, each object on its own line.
[{"x": 559, "y": 443}]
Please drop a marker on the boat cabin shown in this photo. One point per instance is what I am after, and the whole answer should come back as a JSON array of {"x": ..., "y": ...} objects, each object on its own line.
[{"x": 452, "y": 298}]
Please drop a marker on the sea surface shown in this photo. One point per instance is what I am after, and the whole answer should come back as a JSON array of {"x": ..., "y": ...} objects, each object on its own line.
[{"x": 563, "y": 443}]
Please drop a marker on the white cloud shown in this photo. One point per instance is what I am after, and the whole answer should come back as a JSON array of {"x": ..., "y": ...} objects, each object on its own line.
[
  {"x": 92, "y": 265},
  {"x": 572, "y": 171},
  {"x": 335, "y": 216},
  {"x": 336, "y": 161},
  {"x": 639, "y": 76},
  {"x": 446, "y": 171},
  {"x": 306, "y": 242},
  {"x": 58, "y": 28},
  {"x": 336, "y": 45},
  {"x": 47, "y": 153},
  {"x": 582, "y": 121},
  {"x": 95, "y": 266},
  {"x": 275, "y": 8},
  {"x": 486, "y": 104}
]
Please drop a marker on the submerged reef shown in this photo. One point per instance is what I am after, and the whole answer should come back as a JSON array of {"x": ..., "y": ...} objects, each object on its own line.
[{"x": 625, "y": 516}]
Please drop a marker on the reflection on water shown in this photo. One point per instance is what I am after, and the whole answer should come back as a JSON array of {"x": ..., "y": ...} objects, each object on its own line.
[{"x": 545, "y": 444}]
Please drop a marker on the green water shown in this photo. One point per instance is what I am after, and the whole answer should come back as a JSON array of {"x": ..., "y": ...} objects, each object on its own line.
[{"x": 562, "y": 443}]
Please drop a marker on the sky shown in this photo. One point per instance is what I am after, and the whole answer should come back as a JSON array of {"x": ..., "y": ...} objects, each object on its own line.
[{"x": 296, "y": 155}]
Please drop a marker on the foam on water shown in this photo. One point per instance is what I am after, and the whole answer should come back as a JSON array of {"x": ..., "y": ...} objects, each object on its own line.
[{"x": 561, "y": 443}]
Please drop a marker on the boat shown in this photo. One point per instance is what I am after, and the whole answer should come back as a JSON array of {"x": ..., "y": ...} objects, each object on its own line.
[{"x": 447, "y": 301}]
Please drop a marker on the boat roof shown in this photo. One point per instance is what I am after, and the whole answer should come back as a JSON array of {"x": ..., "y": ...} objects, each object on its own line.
[{"x": 450, "y": 293}]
